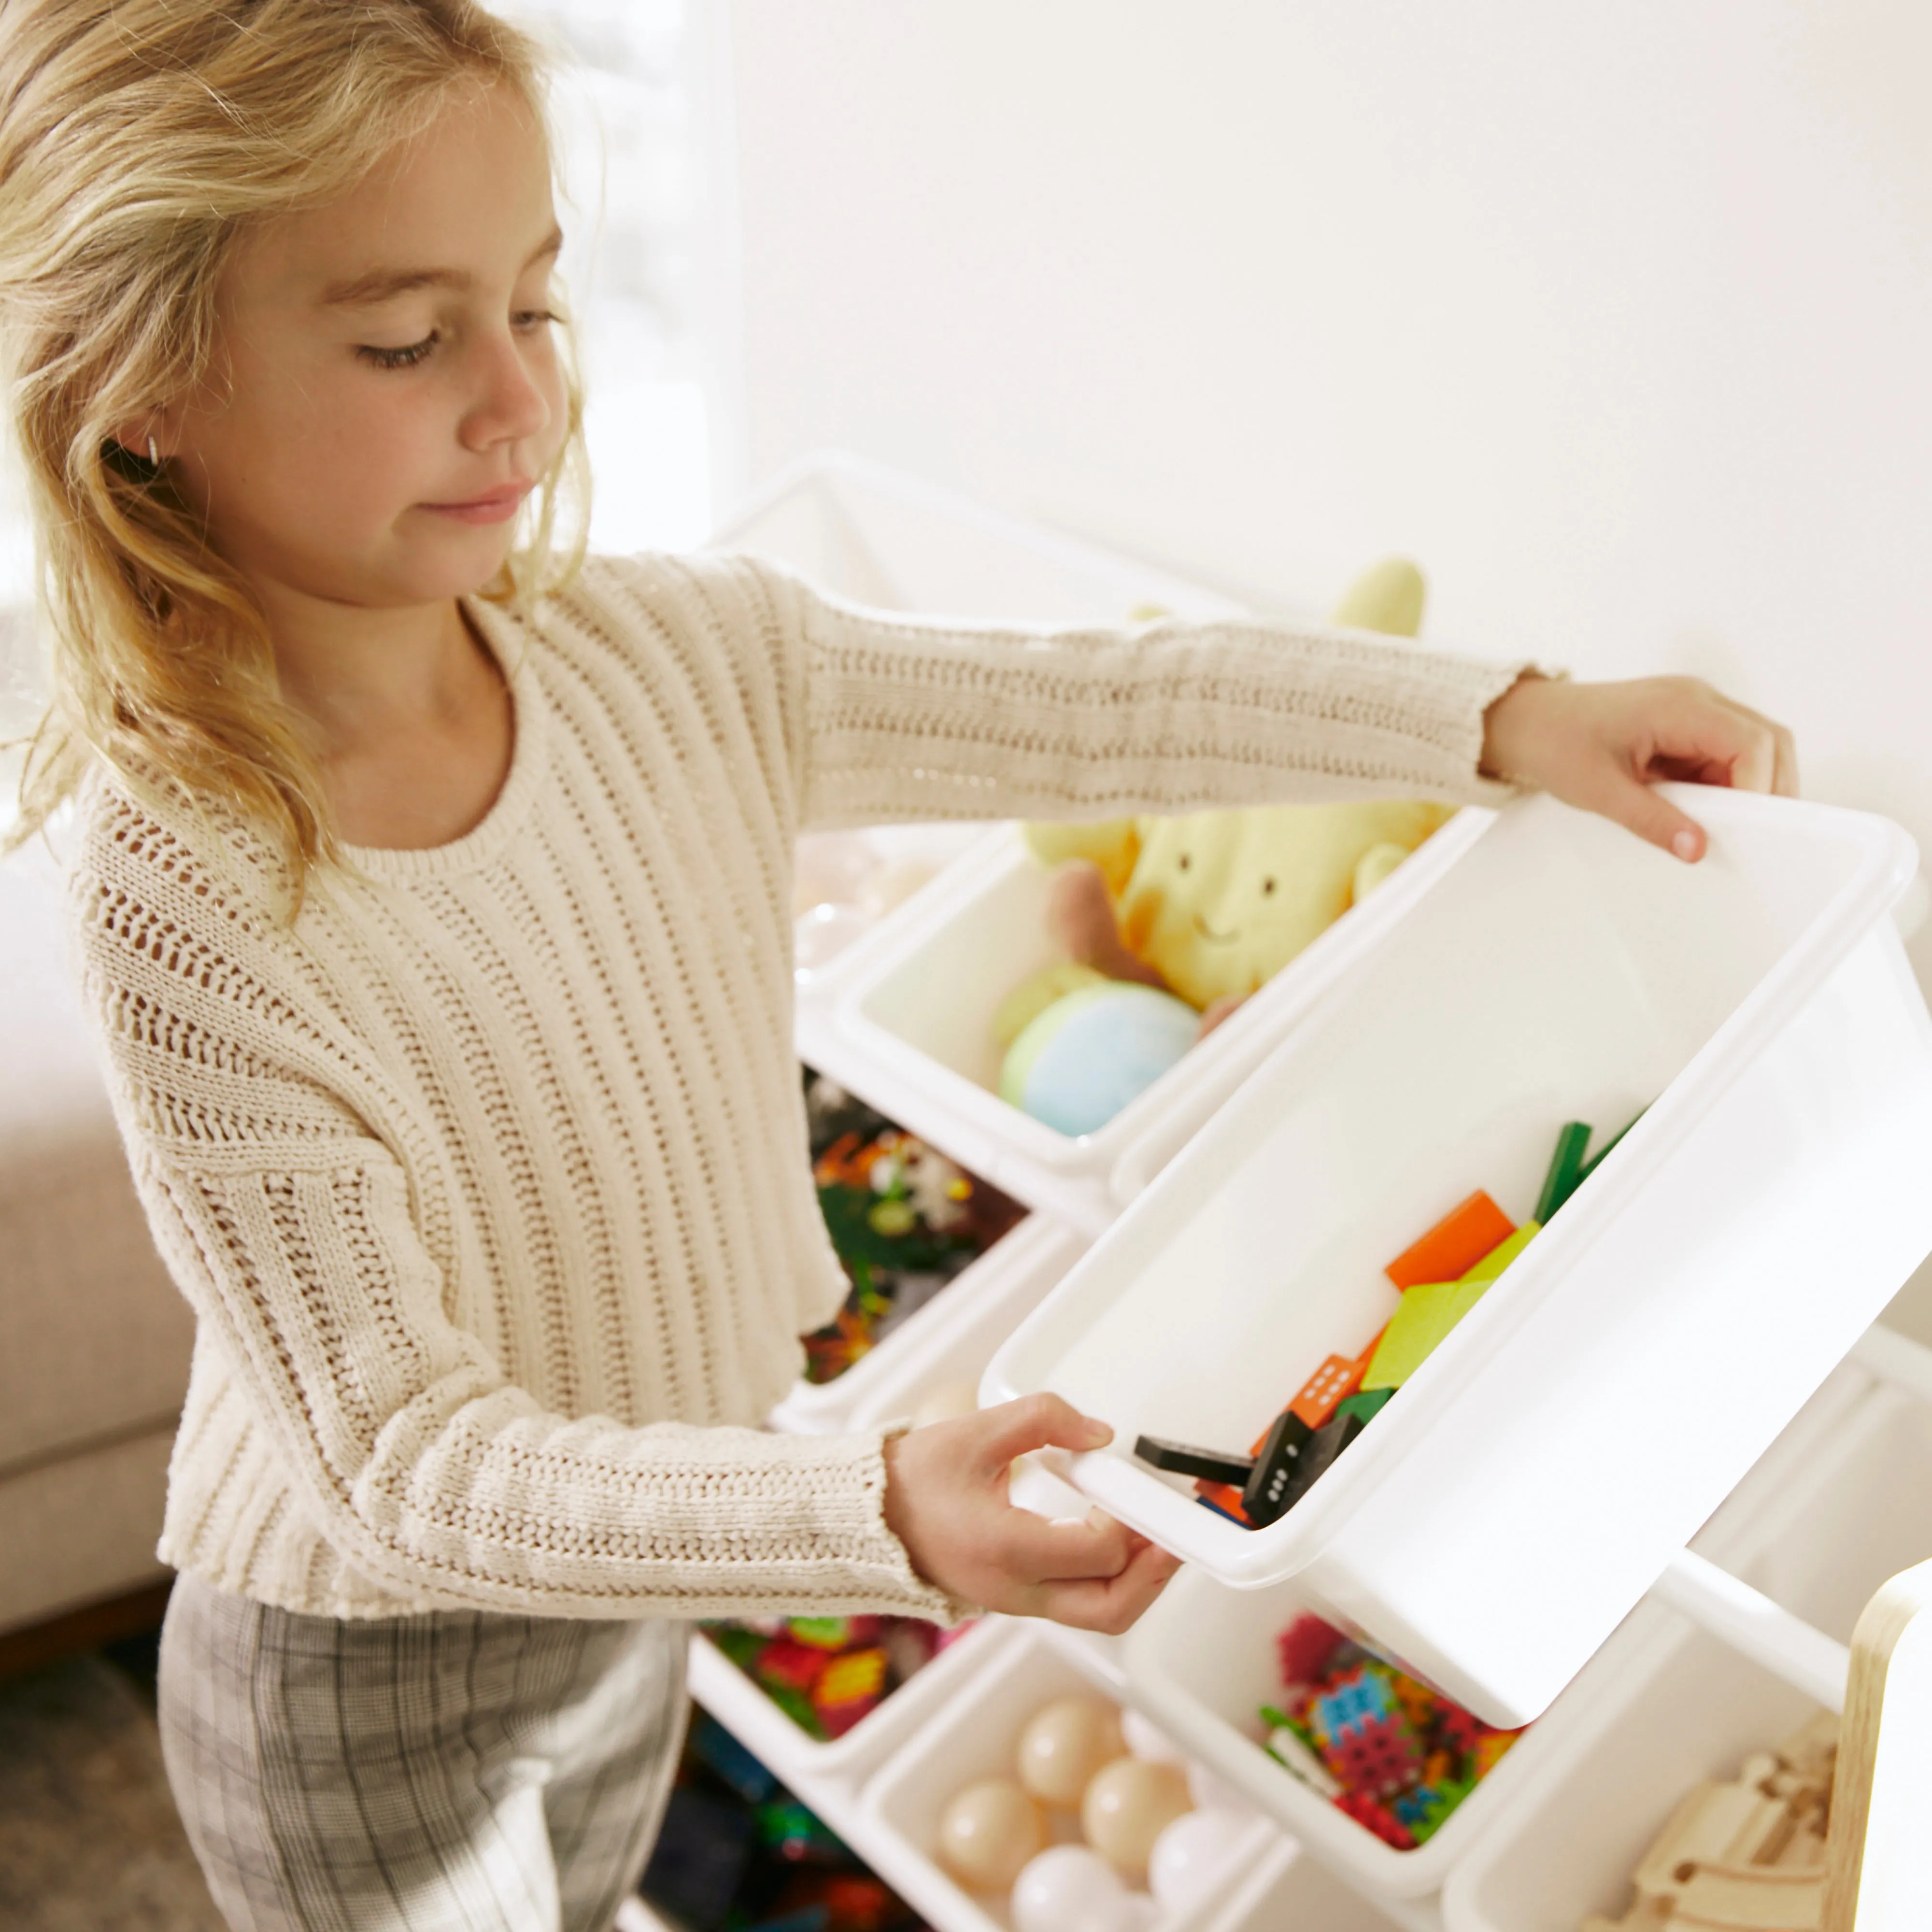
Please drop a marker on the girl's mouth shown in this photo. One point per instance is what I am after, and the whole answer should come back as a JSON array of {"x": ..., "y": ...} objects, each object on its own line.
[{"x": 495, "y": 506}]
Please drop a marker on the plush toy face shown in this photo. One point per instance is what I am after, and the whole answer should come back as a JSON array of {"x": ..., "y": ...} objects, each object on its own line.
[{"x": 1221, "y": 900}]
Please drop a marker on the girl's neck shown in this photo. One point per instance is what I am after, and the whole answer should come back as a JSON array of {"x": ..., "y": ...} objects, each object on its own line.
[{"x": 364, "y": 681}]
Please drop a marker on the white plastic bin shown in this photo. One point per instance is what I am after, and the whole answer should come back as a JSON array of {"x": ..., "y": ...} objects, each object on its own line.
[
  {"x": 1202, "y": 1662},
  {"x": 1695, "y": 1708},
  {"x": 951, "y": 1339},
  {"x": 976, "y": 1735},
  {"x": 1288, "y": 1891},
  {"x": 1526, "y": 1486},
  {"x": 904, "y": 1016}
]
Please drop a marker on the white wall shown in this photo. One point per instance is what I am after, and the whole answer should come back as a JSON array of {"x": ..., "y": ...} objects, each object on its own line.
[{"x": 1616, "y": 317}]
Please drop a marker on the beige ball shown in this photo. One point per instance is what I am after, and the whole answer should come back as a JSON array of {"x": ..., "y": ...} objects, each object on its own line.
[
  {"x": 1128, "y": 1805},
  {"x": 988, "y": 1831},
  {"x": 1064, "y": 1744}
]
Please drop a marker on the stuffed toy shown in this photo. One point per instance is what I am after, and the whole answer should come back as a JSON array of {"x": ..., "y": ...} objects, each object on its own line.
[{"x": 1199, "y": 910}]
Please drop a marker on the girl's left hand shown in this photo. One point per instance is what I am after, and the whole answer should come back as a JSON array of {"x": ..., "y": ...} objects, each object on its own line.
[{"x": 1604, "y": 746}]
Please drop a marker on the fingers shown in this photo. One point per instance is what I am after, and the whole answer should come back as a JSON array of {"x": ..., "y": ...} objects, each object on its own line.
[
  {"x": 1720, "y": 741},
  {"x": 1029, "y": 1546},
  {"x": 1112, "y": 1604},
  {"x": 1036, "y": 1422},
  {"x": 1639, "y": 807}
]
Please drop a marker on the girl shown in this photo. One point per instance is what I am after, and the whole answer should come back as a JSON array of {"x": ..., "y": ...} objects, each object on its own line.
[{"x": 432, "y": 895}]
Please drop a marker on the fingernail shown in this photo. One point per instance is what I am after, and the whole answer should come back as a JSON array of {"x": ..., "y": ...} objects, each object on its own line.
[
  {"x": 1097, "y": 1432},
  {"x": 1684, "y": 844}
]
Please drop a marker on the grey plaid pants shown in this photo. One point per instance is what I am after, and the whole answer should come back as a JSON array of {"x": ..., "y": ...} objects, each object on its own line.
[{"x": 456, "y": 1772}]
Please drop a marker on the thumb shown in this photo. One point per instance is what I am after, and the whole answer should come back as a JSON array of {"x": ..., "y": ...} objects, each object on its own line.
[
  {"x": 1038, "y": 1422},
  {"x": 1640, "y": 807}
]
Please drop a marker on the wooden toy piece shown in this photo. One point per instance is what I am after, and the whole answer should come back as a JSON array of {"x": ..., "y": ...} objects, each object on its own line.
[
  {"x": 1492, "y": 1263},
  {"x": 1565, "y": 1170},
  {"x": 1457, "y": 1242},
  {"x": 1597, "y": 1159},
  {"x": 1126, "y": 1806},
  {"x": 1752, "y": 1900},
  {"x": 1064, "y": 1744},
  {"x": 1365, "y": 1404},
  {"x": 1429, "y": 1311},
  {"x": 1183, "y": 1459},
  {"x": 1275, "y": 1480},
  {"x": 1709, "y": 1820},
  {"x": 1315, "y": 1460},
  {"x": 988, "y": 1831},
  {"x": 1337, "y": 1378}
]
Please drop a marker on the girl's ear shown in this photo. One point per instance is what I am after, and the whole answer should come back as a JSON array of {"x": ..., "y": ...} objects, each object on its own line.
[{"x": 147, "y": 436}]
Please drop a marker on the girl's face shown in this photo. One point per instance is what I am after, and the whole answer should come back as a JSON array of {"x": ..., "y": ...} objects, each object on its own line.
[{"x": 386, "y": 387}]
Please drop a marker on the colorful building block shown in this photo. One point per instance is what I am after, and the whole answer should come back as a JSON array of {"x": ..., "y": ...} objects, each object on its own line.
[
  {"x": 1454, "y": 1245},
  {"x": 1565, "y": 1169},
  {"x": 1365, "y": 1404},
  {"x": 1493, "y": 1263},
  {"x": 1338, "y": 1378},
  {"x": 1429, "y": 1311}
]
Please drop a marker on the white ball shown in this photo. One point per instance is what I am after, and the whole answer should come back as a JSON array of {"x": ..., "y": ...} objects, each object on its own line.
[
  {"x": 1213, "y": 1792},
  {"x": 1145, "y": 1739},
  {"x": 1131, "y": 1911},
  {"x": 1191, "y": 1855},
  {"x": 1055, "y": 1889}
]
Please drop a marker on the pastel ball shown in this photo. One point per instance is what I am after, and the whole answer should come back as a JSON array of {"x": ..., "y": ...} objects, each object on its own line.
[
  {"x": 1064, "y": 1744},
  {"x": 1128, "y": 1912},
  {"x": 988, "y": 1832},
  {"x": 1146, "y": 1739},
  {"x": 1058, "y": 1888},
  {"x": 1192, "y": 1854},
  {"x": 1211, "y": 1792},
  {"x": 1128, "y": 1805},
  {"x": 1076, "y": 1065}
]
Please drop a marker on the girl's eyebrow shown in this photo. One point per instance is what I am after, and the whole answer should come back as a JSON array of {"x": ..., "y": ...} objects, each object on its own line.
[{"x": 380, "y": 285}]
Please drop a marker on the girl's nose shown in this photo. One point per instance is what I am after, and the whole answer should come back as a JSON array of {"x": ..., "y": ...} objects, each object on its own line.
[{"x": 510, "y": 405}]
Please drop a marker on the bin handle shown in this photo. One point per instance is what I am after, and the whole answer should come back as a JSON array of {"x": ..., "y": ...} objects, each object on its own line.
[{"x": 1750, "y": 1623}]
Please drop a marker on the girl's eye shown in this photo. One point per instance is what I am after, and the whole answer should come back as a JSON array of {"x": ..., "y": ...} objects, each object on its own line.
[
  {"x": 535, "y": 318},
  {"x": 398, "y": 358}
]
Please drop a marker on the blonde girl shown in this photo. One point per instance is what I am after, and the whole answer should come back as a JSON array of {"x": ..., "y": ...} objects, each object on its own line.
[{"x": 430, "y": 890}]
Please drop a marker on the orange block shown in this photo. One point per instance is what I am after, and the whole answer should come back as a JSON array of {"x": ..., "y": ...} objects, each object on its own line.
[
  {"x": 1454, "y": 1245},
  {"x": 1337, "y": 1378}
]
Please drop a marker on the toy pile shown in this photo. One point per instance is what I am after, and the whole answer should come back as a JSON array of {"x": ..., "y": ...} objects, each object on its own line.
[
  {"x": 903, "y": 1218},
  {"x": 1749, "y": 1855},
  {"x": 1166, "y": 925},
  {"x": 1396, "y": 1756},
  {"x": 826, "y": 1673},
  {"x": 1441, "y": 1276},
  {"x": 739, "y": 1853},
  {"x": 1102, "y": 1825}
]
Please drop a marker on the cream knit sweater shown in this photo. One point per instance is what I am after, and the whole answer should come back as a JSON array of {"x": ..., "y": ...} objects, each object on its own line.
[{"x": 488, "y": 1181}]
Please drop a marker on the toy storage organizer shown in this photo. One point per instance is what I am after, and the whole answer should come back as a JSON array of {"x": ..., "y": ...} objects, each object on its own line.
[
  {"x": 1614, "y": 1386},
  {"x": 1786, "y": 1043}
]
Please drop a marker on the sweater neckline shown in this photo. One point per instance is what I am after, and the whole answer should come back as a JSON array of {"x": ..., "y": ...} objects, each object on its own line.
[{"x": 509, "y": 644}]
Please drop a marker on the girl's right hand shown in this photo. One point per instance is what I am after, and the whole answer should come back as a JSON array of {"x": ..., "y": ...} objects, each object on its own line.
[{"x": 946, "y": 1501}]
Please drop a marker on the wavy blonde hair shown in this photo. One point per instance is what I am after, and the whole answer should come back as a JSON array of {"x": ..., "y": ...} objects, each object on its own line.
[{"x": 137, "y": 139}]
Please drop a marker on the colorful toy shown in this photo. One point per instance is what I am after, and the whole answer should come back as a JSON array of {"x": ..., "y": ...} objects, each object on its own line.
[
  {"x": 1748, "y": 1854},
  {"x": 903, "y": 1219},
  {"x": 1205, "y": 908},
  {"x": 1064, "y": 1744},
  {"x": 1456, "y": 1243},
  {"x": 1126, "y": 1806},
  {"x": 1076, "y": 1065},
  {"x": 988, "y": 1832},
  {"x": 1397, "y": 1756},
  {"x": 826, "y": 1673}
]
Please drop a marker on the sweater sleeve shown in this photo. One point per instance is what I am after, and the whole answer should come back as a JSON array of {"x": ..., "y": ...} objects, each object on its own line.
[
  {"x": 908, "y": 718},
  {"x": 290, "y": 1226}
]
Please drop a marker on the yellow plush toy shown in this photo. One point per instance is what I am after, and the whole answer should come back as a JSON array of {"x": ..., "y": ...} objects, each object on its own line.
[{"x": 1210, "y": 906}]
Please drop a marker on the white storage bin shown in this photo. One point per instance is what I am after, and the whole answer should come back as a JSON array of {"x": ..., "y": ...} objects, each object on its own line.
[
  {"x": 951, "y": 1339},
  {"x": 1694, "y": 1708},
  {"x": 874, "y": 535},
  {"x": 1202, "y": 1661},
  {"x": 1288, "y": 1891},
  {"x": 1532, "y": 1479},
  {"x": 904, "y": 1016},
  {"x": 977, "y": 1735}
]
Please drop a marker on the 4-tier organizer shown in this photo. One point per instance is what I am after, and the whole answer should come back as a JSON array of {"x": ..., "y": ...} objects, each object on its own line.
[{"x": 1746, "y": 1235}]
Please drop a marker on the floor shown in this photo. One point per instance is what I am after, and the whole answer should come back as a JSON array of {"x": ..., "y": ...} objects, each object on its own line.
[{"x": 89, "y": 1841}]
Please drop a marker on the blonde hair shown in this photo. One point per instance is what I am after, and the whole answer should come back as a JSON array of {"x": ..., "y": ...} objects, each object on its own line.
[{"x": 137, "y": 138}]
